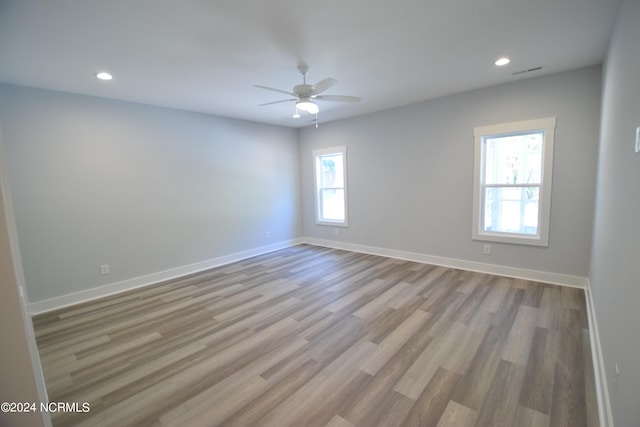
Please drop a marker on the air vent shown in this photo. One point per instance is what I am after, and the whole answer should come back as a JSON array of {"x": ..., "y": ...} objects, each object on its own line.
[{"x": 526, "y": 71}]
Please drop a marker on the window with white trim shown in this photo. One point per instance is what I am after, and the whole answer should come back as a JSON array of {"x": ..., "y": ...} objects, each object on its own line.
[
  {"x": 330, "y": 168},
  {"x": 512, "y": 181}
]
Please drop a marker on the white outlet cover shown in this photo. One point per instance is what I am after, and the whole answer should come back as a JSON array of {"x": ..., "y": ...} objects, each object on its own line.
[{"x": 638, "y": 139}]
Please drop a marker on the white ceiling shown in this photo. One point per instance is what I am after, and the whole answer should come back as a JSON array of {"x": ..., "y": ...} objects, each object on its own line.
[{"x": 206, "y": 55}]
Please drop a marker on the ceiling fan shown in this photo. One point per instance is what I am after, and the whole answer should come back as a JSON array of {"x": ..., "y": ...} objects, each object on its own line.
[{"x": 305, "y": 94}]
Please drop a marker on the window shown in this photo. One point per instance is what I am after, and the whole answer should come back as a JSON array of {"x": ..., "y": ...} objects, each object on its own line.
[
  {"x": 512, "y": 182},
  {"x": 330, "y": 167}
]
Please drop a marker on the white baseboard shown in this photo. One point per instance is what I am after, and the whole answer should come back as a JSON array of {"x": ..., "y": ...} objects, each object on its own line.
[
  {"x": 55, "y": 303},
  {"x": 602, "y": 391},
  {"x": 519, "y": 273}
]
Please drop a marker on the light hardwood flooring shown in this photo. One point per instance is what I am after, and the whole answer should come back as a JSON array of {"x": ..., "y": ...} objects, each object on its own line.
[{"x": 323, "y": 337}]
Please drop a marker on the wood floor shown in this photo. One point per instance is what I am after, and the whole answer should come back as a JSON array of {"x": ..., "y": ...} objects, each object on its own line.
[{"x": 323, "y": 337}]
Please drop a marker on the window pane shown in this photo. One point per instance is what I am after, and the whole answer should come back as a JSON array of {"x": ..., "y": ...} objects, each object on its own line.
[
  {"x": 514, "y": 159},
  {"x": 332, "y": 204},
  {"x": 511, "y": 210},
  {"x": 332, "y": 171}
]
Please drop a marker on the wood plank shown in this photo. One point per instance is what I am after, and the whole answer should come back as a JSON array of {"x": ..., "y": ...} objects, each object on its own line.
[
  {"x": 338, "y": 421},
  {"x": 252, "y": 412},
  {"x": 376, "y": 398},
  {"x": 454, "y": 348},
  {"x": 500, "y": 407},
  {"x": 526, "y": 417},
  {"x": 473, "y": 388},
  {"x": 518, "y": 345},
  {"x": 457, "y": 415},
  {"x": 433, "y": 401},
  {"x": 387, "y": 348},
  {"x": 568, "y": 404},
  {"x": 340, "y": 372},
  {"x": 539, "y": 375}
]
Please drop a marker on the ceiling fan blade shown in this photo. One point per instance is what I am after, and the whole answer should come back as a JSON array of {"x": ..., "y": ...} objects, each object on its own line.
[
  {"x": 338, "y": 98},
  {"x": 323, "y": 85},
  {"x": 277, "y": 102},
  {"x": 275, "y": 90}
]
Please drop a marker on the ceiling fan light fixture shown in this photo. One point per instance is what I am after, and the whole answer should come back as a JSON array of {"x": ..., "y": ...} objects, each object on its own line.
[{"x": 308, "y": 106}]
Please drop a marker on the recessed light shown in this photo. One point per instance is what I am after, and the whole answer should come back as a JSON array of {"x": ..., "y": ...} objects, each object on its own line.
[
  {"x": 502, "y": 61},
  {"x": 104, "y": 76}
]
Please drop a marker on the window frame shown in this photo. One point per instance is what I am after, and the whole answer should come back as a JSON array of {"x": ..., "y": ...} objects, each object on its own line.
[
  {"x": 541, "y": 238},
  {"x": 317, "y": 155}
]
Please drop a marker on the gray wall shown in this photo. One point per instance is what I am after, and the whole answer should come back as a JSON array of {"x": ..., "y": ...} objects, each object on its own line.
[
  {"x": 411, "y": 172},
  {"x": 140, "y": 188},
  {"x": 615, "y": 262}
]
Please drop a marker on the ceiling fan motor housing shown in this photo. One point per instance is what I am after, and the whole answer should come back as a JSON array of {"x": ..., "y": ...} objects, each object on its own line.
[{"x": 303, "y": 90}]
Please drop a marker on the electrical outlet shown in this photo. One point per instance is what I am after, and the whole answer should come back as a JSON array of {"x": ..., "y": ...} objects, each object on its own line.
[
  {"x": 104, "y": 269},
  {"x": 268, "y": 234},
  {"x": 638, "y": 139},
  {"x": 335, "y": 231},
  {"x": 486, "y": 249}
]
